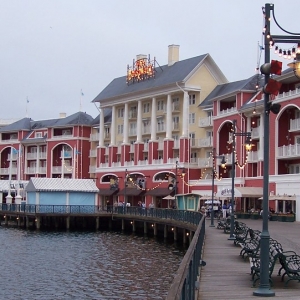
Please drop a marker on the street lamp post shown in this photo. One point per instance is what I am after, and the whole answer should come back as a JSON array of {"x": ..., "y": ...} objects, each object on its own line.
[
  {"x": 223, "y": 162},
  {"x": 176, "y": 175},
  {"x": 264, "y": 288},
  {"x": 248, "y": 148}
]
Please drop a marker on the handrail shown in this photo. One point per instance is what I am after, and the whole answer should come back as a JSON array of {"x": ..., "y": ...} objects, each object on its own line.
[{"x": 184, "y": 282}]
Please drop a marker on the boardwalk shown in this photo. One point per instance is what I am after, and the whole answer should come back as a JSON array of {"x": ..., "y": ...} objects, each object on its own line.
[{"x": 227, "y": 276}]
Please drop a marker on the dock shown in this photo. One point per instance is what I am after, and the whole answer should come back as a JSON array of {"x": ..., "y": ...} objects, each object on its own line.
[{"x": 227, "y": 275}]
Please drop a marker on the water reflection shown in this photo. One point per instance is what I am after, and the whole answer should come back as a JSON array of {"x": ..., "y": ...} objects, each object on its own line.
[{"x": 85, "y": 265}]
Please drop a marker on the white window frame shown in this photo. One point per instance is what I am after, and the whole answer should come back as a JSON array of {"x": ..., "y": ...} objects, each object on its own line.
[
  {"x": 192, "y": 99},
  {"x": 192, "y": 118},
  {"x": 121, "y": 113}
]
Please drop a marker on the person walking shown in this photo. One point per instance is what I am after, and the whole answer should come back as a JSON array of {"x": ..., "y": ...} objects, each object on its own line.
[{"x": 224, "y": 210}]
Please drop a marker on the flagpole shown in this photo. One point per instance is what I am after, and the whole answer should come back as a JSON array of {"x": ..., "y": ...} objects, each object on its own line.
[{"x": 27, "y": 101}]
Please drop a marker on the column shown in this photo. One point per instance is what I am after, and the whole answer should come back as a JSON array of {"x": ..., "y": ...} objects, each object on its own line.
[
  {"x": 261, "y": 138},
  {"x": 139, "y": 145},
  {"x": 125, "y": 147},
  {"x": 38, "y": 222},
  {"x": 155, "y": 229},
  {"x": 184, "y": 139},
  {"x": 97, "y": 223},
  {"x": 113, "y": 127},
  {"x": 112, "y": 147},
  {"x": 101, "y": 148},
  {"x": 175, "y": 233},
  {"x": 169, "y": 118},
  {"x": 168, "y": 141},
  {"x": 145, "y": 228},
  {"x": 153, "y": 143}
]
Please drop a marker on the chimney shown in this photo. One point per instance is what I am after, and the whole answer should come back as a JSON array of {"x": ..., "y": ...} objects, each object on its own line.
[
  {"x": 173, "y": 55},
  {"x": 62, "y": 115}
]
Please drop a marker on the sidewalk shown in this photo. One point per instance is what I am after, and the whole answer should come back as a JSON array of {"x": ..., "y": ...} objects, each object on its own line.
[{"x": 227, "y": 276}]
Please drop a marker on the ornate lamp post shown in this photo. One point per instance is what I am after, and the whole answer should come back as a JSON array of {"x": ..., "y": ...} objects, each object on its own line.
[
  {"x": 268, "y": 68},
  {"x": 248, "y": 148},
  {"x": 223, "y": 162},
  {"x": 176, "y": 175}
]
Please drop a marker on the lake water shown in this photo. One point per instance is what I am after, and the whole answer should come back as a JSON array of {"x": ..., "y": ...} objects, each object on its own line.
[{"x": 85, "y": 265}]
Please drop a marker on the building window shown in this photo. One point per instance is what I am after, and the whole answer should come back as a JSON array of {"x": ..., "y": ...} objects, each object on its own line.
[
  {"x": 192, "y": 118},
  {"x": 192, "y": 99},
  {"x": 294, "y": 169},
  {"x": 120, "y": 129},
  {"x": 120, "y": 112},
  {"x": 175, "y": 104},
  {"x": 160, "y": 105},
  {"x": 146, "y": 107},
  {"x": 192, "y": 139},
  {"x": 38, "y": 135}
]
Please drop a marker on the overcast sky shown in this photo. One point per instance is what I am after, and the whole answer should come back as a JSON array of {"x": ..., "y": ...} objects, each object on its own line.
[{"x": 50, "y": 50}]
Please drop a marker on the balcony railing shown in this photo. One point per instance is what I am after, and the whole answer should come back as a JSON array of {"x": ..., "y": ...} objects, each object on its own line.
[
  {"x": 5, "y": 171},
  {"x": 12, "y": 157},
  {"x": 253, "y": 156},
  {"x": 204, "y": 163},
  {"x": 205, "y": 122},
  {"x": 288, "y": 151},
  {"x": 94, "y": 137},
  {"x": 160, "y": 128},
  {"x": 255, "y": 132},
  {"x": 93, "y": 153},
  {"x": 146, "y": 146},
  {"x": 59, "y": 169},
  {"x": 35, "y": 170},
  {"x": 176, "y": 143},
  {"x": 207, "y": 142},
  {"x": 227, "y": 111}
]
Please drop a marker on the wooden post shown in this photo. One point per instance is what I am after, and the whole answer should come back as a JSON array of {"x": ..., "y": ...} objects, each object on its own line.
[
  {"x": 165, "y": 231},
  {"x": 155, "y": 229},
  {"x": 68, "y": 223},
  {"x": 175, "y": 233},
  {"x": 97, "y": 223},
  {"x": 123, "y": 224},
  {"x": 145, "y": 228},
  {"x": 38, "y": 223}
]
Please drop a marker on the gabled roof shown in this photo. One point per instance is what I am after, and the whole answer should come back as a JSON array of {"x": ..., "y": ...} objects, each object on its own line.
[
  {"x": 61, "y": 185},
  {"x": 79, "y": 118},
  {"x": 164, "y": 76},
  {"x": 227, "y": 89}
]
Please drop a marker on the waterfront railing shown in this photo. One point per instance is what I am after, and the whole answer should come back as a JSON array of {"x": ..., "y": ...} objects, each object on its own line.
[
  {"x": 191, "y": 217},
  {"x": 186, "y": 280}
]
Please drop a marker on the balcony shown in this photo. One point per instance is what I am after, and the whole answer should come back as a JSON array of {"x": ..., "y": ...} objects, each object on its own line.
[
  {"x": 160, "y": 128},
  {"x": 206, "y": 142},
  {"x": 204, "y": 163},
  {"x": 60, "y": 169},
  {"x": 157, "y": 161},
  {"x": 93, "y": 153},
  {"x": 294, "y": 125},
  {"x": 132, "y": 114},
  {"x": 146, "y": 130},
  {"x": 175, "y": 126},
  {"x": 175, "y": 107},
  {"x": 146, "y": 147},
  {"x": 255, "y": 132},
  {"x": 94, "y": 137},
  {"x": 132, "y": 132},
  {"x": 205, "y": 122},
  {"x": 227, "y": 111},
  {"x": 35, "y": 170},
  {"x": 32, "y": 155},
  {"x": 290, "y": 151},
  {"x": 14, "y": 156},
  {"x": 5, "y": 171},
  {"x": 252, "y": 156}
]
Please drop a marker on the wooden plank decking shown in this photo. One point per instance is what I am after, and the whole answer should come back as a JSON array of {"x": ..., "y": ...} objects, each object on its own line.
[{"x": 227, "y": 276}]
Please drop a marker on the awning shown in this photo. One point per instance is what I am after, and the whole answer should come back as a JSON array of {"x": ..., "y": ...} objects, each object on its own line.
[
  {"x": 131, "y": 192},
  {"x": 159, "y": 192},
  {"x": 169, "y": 197},
  {"x": 251, "y": 192},
  {"x": 107, "y": 192},
  {"x": 283, "y": 197}
]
